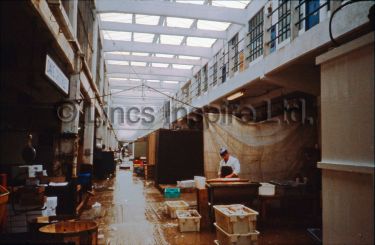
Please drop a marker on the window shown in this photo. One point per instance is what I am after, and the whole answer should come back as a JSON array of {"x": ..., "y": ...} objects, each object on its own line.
[
  {"x": 214, "y": 74},
  {"x": 256, "y": 36},
  {"x": 233, "y": 51},
  {"x": 198, "y": 83},
  {"x": 284, "y": 20},
  {"x": 205, "y": 78},
  {"x": 273, "y": 39},
  {"x": 312, "y": 13},
  {"x": 98, "y": 62}
]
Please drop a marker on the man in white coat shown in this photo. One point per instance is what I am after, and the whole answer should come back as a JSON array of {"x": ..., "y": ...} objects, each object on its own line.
[{"x": 229, "y": 166}]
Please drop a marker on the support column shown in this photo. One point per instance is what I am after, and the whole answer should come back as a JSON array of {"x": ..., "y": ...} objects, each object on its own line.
[
  {"x": 88, "y": 141},
  {"x": 73, "y": 15}
]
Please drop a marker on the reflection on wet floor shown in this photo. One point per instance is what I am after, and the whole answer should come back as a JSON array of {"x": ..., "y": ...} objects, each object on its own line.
[{"x": 133, "y": 213}]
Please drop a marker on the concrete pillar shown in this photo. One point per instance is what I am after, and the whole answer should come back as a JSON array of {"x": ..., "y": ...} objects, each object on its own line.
[
  {"x": 73, "y": 15},
  {"x": 88, "y": 141},
  {"x": 267, "y": 23},
  {"x": 95, "y": 47}
]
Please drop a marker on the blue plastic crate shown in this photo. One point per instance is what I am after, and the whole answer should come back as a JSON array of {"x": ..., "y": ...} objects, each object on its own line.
[
  {"x": 172, "y": 192},
  {"x": 84, "y": 178}
]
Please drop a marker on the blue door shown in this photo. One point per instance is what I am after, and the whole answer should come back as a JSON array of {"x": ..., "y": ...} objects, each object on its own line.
[{"x": 312, "y": 13}]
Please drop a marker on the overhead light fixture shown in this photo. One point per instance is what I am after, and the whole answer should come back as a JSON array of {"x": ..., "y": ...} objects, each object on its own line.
[{"x": 235, "y": 96}]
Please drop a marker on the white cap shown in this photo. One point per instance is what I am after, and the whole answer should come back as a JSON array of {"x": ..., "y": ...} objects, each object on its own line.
[{"x": 223, "y": 150}]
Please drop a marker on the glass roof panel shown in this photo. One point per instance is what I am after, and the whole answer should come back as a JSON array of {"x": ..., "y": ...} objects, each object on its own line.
[
  {"x": 118, "y": 52},
  {"x": 231, "y": 4},
  {"x": 212, "y": 25},
  {"x": 188, "y": 57},
  {"x": 153, "y": 81},
  {"x": 179, "y": 22},
  {"x": 136, "y": 63},
  {"x": 117, "y": 35},
  {"x": 170, "y": 39},
  {"x": 117, "y": 17},
  {"x": 147, "y": 19},
  {"x": 160, "y": 65},
  {"x": 143, "y": 37},
  {"x": 164, "y": 55},
  {"x": 171, "y": 82},
  {"x": 176, "y": 66},
  {"x": 117, "y": 62},
  {"x": 140, "y": 54},
  {"x": 191, "y": 1},
  {"x": 200, "y": 42}
]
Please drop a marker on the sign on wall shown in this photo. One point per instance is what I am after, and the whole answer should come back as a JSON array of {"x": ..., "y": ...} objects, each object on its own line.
[{"x": 55, "y": 74}]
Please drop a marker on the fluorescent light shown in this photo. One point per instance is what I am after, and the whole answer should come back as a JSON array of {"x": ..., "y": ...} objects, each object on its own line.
[
  {"x": 171, "y": 82},
  {"x": 235, "y": 96}
]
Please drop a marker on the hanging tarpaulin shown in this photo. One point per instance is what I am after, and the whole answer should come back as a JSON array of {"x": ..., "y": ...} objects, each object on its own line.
[{"x": 270, "y": 150}]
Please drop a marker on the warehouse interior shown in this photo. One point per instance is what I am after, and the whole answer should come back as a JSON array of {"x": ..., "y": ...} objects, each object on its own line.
[{"x": 155, "y": 122}]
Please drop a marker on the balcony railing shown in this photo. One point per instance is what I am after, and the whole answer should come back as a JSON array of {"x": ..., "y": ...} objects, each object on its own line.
[{"x": 232, "y": 58}]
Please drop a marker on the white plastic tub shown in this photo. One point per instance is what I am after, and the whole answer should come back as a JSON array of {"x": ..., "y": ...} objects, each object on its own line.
[
  {"x": 224, "y": 238},
  {"x": 235, "y": 218},
  {"x": 266, "y": 189},
  {"x": 200, "y": 182},
  {"x": 188, "y": 220},
  {"x": 173, "y": 206}
]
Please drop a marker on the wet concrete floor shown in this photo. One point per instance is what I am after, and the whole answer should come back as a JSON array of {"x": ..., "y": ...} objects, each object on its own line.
[{"x": 133, "y": 213}]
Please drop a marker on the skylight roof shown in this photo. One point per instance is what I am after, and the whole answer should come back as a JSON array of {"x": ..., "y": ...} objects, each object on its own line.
[
  {"x": 179, "y": 22},
  {"x": 188, "y": 57},
  {"x": 176, "y": 66},
  {"x": 171, "y": 82},
  {"x": 117, "y": 17},
  {"x": 164, "y": 55},
  {"x": 136, "y": 63},
  {"x": 200, "y": 42},
  {"x": 147, "y": 19},
  {"x": 169, "y": 39},
  {"x": 163, "y": 65},
  {"x": 143, "y": 37},
  {"x": 117, "y": 35},
  {"x": 119, "y": 52},
  {"x": 230, "y": 4},
  {"x": 140, "y": 54},
  {"x": 212, "y": 25},
  {"x": 153, "y": 81},
  {"x": 117, "y": 62},
  {"x": 191, "y": 1}
]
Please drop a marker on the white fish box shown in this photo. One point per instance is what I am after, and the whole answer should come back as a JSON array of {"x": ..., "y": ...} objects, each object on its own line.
[
  {"x": 266, "y": 189},
  {"x": 188, "y": 220},
  {"x": 173, "y": 206},
  {"x": 224, "y": 238},
  {"x": 236, "y": 218}
]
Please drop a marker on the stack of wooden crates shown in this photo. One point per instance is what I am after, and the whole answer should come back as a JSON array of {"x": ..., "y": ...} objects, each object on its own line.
[{"x": 235, "y": 225}]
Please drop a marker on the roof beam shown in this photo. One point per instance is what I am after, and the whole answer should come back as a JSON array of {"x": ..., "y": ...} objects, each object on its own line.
[
  {"x": 120, "y": 57},
  {"x": 149, "y": 70},
  {"x": 117, "y": 26},
  {"x": 159, "y": 88},
  {"x": 111, "y": 45},
  {"x": 181, "y": 10},
  {"x": 145, "y": 76}
]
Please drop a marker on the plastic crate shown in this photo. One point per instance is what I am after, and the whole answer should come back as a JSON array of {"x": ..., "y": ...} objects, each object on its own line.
[
  {"x": 224, "y": 238},
  {"x": 173, "y": 206},
  {"x": 236, "y": 218},
  {"x": 188, "y": 220},
  {"x": 172, "y": 192}
]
